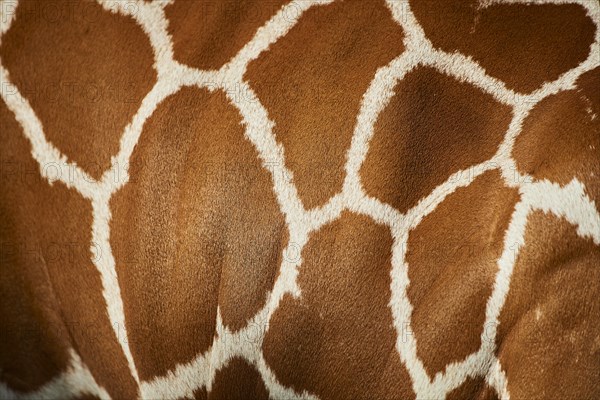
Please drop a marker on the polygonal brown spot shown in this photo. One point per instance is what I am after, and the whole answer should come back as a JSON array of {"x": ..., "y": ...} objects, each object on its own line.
[
  {"x": 238, "y": 381},
  {"x": 451, "y": 260},
  {"x": 473, "y": 389},
  {"x": 197, "y": 226},
  {"x": 559, "y": 140},
  {"x": 523, "y": 45},
  {"x": 549, "y": 332},
  {"x": 87, "y": 397},
  {"x": 84, "y": 72},
  {"x": 33, "y": 341},
  {"x": 207, "y": 34},
  {"x": 200, "y": 394},
  {"x": 315, "y": 98},
  {"x": 51, "y": 292},
  {"x": 434, "y": 126},
  {"x": 337, "y": 340}
]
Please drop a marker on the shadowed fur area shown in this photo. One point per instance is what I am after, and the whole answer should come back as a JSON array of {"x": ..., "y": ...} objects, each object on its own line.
[{"x": 300, "y": 199}]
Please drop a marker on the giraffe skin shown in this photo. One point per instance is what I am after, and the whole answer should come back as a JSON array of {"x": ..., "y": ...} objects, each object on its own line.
[{"x": 307, "y": 199}]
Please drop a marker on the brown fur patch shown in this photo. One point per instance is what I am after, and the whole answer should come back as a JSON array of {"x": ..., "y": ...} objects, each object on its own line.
[
  {"x": 314, "y": 99},
  {"x": 200, "y": 394},
  {"x": 84, "y": 71},
  {"x": 434, "y": 126},
  {"x": 451, "y": 260},
  {"x": 208, "y": 33},
  {"x": 238, "y": 381},
  {"x": 34, "y": 343},
  {"x": 473, "y": 389},
  {"x": 52, "y": 293},
  {"x": 337, "y": 340},
  {"x": 560, "y": 139},
  {"x": 549, "y": 332},
  {"x": 196, "y": 227},
  {"x": 523, "y": 45}
]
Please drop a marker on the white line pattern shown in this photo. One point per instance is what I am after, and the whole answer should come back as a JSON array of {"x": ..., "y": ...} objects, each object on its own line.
[{"x": 569, "y": 202}]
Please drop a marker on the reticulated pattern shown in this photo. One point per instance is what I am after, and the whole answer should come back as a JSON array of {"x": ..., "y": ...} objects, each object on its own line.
[{"x": 568, "y": 201}]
